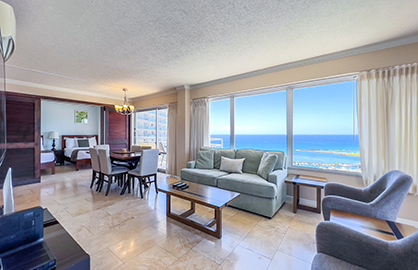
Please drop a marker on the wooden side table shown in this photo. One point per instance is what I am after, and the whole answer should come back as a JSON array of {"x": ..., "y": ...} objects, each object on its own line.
[
  {"x": 308, "y": 181},
  {"x": 59, "y": 156}
]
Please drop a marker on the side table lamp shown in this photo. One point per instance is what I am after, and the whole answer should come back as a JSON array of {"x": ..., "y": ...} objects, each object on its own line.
[{"x": 53, "y": 135}]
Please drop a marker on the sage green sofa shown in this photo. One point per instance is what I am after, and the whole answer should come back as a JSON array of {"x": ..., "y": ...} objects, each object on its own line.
[{"x": 258, "y": 195}]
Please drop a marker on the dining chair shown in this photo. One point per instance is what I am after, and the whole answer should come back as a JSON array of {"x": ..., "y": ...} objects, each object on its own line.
[
  {"x": 136, "y": 148},
  {"x": 146, "y": 170},
  {"x": 163, "y": 152},
  {"x": 103, "y": 146},
  {"x": 95, "y": 165},
  {"x": 108, "y": 171}
]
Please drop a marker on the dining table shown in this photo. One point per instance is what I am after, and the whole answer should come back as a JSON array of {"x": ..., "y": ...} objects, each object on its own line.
[{"x": 129, "y": 159}]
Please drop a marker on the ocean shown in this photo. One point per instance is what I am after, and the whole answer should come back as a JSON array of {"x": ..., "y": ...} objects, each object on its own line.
[{"x": 334, "y": 152}]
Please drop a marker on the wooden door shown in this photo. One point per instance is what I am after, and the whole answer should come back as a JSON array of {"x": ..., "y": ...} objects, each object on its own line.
[
  {"x": 23, "y": 139},
  {"x": 117, "y": 130}
]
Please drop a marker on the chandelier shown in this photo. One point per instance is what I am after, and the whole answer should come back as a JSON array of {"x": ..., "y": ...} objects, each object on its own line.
[{"x": 124, "y": 109}]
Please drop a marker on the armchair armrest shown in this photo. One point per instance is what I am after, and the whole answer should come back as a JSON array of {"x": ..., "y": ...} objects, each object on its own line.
[
  {"x": 351, "y": 246},
  {"x": 191, "y": 164},
  {"x": 344, "y": 204},
  {"x": 277, "y": 176}
]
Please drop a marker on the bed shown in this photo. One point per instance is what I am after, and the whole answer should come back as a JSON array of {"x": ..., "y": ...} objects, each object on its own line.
[
  {"x": 47, "y": 158},
  {"x": 78, "y": 153}
]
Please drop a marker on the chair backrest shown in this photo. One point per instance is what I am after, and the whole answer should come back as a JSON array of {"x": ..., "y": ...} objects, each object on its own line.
[
  {"x": 136, "y": 148},
  {"x": 94, "y": 156},
  {"x": 390, "y": 184},
  {"x": 103, "y": 146},
  {"x": 105, "y": 164},
  {"x": 149, "y": 162},
  {"x": 162, "y": 148}
]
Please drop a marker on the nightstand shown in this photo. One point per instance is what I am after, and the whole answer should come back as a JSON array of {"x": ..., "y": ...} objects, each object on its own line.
[{"x": 59, "y": 157}]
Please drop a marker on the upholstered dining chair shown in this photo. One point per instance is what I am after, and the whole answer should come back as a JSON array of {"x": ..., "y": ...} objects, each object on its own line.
[
  {"x": 108, "y": 171},
  {"x": 95, "y": 165},
  {"x": 146, "y": 170},
  {"x": 383, "y": 199},
  {"x": 136, "y": 148},
  {"x": 340, "y": 247}
]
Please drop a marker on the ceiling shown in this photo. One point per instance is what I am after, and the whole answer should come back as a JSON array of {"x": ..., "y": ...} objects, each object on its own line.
[{"x": 99, "y": 47}]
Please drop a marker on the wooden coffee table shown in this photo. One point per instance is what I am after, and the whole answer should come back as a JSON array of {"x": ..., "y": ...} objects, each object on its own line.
[{"x": 211, "y": 197}]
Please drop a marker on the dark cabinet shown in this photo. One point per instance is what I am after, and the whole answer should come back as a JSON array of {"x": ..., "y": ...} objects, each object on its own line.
[{"x": 59, "y": 157}]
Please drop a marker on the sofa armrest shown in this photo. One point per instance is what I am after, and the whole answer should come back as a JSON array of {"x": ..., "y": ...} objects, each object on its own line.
[
  {"x": 277, "y": 176},
  {"x": 191, "y": 164}
]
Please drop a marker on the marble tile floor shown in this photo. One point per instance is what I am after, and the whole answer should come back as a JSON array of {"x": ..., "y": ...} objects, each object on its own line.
[{"x": 127, "y": 232}]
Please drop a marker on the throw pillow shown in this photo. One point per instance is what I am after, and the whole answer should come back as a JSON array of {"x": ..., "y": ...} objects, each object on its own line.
[
  {"x": 267, "y": 163},
  {"x": 70, "y": 143},
  {"x": 92, "y": 142},
  {"x": 83, "y": 142},
  {"x": 231, "y": 165},
  {"x": 204, "y": 160}
]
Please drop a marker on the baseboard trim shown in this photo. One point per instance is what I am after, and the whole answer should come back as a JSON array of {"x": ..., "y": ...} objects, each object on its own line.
[
  {"x": 303, "y": 201},
  {"x": 289, "y": 199},
  {"x": 408, "y": 222}
]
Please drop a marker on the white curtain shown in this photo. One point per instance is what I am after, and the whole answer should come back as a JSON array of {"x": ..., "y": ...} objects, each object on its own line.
[
  {"x": 388, "y": 122},
  {"x": 199, "y": 128},
  {"x": 172, "y": 139}
]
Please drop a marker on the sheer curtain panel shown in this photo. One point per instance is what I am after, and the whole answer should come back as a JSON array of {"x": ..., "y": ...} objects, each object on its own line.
[
  {"x": 172, "y": 139},
  {"x": 199, "y": 128},
  {"x": 388, "y": 122}
]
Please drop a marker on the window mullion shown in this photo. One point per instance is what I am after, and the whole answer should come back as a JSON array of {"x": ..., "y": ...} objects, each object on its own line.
[
  {"x": 232, "y": 121},
  {"x": 289, "y": 125}
]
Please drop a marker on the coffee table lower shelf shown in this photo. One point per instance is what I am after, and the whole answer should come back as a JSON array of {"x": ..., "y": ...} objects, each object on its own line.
[
  {"x": 206, "y": 228},
  {"x": 211, "y": 197}
]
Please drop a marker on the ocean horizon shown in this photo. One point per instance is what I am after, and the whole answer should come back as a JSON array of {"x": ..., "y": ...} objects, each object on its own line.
[{"x": 334, "y": 152}]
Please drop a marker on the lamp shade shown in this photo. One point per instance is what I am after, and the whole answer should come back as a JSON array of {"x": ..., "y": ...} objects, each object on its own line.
[
  {"x": 53, "y": 135},
  {"x": 8, "y": 30}
]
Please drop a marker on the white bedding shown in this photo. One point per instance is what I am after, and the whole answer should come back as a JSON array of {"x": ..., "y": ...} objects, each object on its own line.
[
  {"x": 47, "y": 157},
  {"x": 80, "y": 154}
]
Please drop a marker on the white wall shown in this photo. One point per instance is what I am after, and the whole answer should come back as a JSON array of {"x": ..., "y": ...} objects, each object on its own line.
[{"x": 59, "y": 116}]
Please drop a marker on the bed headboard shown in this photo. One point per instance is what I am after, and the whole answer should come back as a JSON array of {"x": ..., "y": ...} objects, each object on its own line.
[{"x": 77, "y": 136}]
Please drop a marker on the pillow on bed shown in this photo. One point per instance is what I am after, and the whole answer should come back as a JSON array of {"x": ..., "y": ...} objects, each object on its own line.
[
  {"x": 92, "y": 142},
  {"x": 70, "y": 143},
  {"x": 83, "y": 142}
]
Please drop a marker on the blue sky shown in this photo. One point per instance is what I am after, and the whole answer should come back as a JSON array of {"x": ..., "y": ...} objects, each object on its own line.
[{"x": 316, "y": 110}]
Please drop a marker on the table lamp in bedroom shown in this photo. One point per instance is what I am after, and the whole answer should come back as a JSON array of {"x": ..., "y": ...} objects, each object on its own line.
[{"x": 53, "y": 135}]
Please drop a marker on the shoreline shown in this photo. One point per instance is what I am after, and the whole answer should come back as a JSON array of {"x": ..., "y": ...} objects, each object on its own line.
[{"x": 353, "y": 154}]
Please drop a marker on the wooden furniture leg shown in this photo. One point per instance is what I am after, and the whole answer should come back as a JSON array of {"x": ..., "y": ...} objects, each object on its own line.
[{"x": 295, "y": 198}]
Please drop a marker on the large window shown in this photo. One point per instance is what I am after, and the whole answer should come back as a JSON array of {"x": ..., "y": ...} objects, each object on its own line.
[
  {"x": 220, "y": 131},
  {"x": 260, "y": 122},
  {"x": 319, "y": 133},
  {"x": 151, "y": 129},
  {"x": 324, "y": 121}
]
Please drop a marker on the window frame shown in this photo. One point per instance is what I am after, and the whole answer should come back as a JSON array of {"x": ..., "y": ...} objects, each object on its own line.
[{"x": 289, "y": 88}]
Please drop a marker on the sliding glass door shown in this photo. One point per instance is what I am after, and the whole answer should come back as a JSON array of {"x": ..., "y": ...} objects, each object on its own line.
[{"x": 150, "y": 129}]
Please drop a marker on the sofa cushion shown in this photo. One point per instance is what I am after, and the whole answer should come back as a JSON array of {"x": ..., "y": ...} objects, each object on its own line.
[
  {"x": 204, "y": 160},
  {"x": 281, "y": 160},
  {"x": 252, "y": 159},
  {"x": 231, "y": 165},
  {"x": 222, "y": 153},
  {"x": 248, "y": 183},
  {"x": 202, "y": 176},
  {"x": 267, "y": 163}
]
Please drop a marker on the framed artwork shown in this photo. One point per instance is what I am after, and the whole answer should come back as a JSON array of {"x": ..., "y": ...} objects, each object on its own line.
[{"x": 81, "y": 117}]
